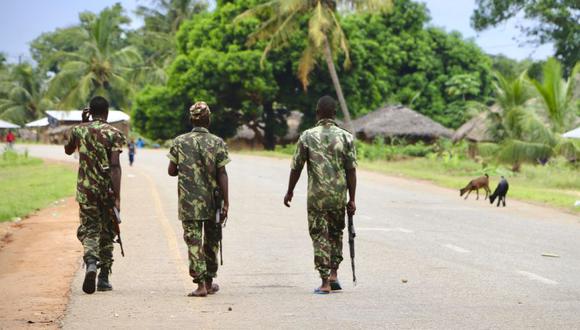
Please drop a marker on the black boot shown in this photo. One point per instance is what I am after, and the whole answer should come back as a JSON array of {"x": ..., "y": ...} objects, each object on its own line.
[
  {"x": 103, "y": 283},
  {"x": 90, "y": 276}
]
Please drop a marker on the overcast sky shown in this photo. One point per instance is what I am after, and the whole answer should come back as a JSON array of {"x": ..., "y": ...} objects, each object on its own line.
[{"x": 23, "y": 20}]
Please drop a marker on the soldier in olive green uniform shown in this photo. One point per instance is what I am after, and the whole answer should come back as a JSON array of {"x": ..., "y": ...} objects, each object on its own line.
[
  {"x": 330, "y": 154},
  {"x": 199, "y": 159},
  {"x": 98, "y": 189}
]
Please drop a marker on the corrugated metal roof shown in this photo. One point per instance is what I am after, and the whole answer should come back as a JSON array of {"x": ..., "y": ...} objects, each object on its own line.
[
  {"x": 5, "y": 124},
  {"x": 76, "y": 115},
  {"x": 42, "y": 122}
]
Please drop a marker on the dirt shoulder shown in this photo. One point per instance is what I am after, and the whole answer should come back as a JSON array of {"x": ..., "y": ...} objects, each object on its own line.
[{"x": 38, "y": 259}]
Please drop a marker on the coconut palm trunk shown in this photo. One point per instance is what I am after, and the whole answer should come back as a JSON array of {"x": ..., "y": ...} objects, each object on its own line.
[{"x": 336, "y": 83}]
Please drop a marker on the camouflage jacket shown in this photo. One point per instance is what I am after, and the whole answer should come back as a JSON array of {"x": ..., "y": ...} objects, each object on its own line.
[
  {"x": 198, "y": 155},
  {"x": 329, "y": 152},
  {"x": 95, "y": 141}
]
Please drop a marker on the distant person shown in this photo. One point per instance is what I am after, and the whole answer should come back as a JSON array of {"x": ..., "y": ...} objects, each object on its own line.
[
  {"x": 132, "y": 151},
  {"x": 140, "y": 143},
  {"x": 199, "y": 158},
  {"x": 10, "y": 139},
  {"x": 98, "y": 189},
  {"x": 330, "y": 154}
]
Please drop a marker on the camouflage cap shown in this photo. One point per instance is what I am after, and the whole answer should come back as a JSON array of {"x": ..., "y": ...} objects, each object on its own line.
[{"x": 199, "y": 110}]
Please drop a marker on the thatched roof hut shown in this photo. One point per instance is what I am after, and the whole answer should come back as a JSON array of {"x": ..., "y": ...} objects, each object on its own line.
[
  {"x": 399, "y": 122},
  {"x": 474, "y": 130}
]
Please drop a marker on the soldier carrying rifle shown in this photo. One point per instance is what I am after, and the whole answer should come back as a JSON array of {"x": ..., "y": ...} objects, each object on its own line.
[
  {"x": 331, "y": 157},
  {"x": 98, "y": 189},
  {"x": 199, "y": 159}
]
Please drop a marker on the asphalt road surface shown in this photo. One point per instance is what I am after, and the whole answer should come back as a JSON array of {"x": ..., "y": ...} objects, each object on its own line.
[{"x": 425, "y": 259}]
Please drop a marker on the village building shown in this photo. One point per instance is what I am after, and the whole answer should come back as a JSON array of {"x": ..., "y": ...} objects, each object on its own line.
[
  {"x": 399, "y": 122},
  {"x": 55, "y": 127}
]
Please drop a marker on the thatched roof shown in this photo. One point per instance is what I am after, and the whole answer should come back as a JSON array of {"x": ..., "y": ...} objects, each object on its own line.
[
  {"x": 399, "y": 121},
  {"x": 475, "y": 130}
]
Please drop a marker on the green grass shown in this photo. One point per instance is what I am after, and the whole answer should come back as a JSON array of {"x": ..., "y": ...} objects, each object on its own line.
[
  {"x": 28, "y": 184},
  {"x": 556, "y": 184}
]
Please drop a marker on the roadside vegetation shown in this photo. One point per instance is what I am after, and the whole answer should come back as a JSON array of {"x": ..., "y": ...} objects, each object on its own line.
[
  {"x": 29, "y": 184},
  {"x": 556, "y": 184}
]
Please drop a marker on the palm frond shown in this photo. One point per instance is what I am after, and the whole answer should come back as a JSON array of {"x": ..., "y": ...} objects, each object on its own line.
[{"x": 306, "y": 65}]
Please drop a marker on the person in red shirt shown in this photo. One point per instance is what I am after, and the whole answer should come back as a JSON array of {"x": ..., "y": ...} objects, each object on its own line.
[{"x": 10, "y": 139}]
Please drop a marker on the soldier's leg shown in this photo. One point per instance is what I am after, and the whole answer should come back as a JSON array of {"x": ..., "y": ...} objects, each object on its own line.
[
  {"x": 192, "y": 234},
  {"x": 336, "y": 226},
  {"x": 89, "y": 231},
  {"x": 107, "y": 237},
  {"x": 211, "y": 250},
  {"x": 106, "y": 249},
  {"x": 318, "y": 228}
]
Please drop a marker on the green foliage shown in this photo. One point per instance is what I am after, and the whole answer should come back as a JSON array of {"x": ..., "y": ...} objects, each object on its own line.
[
  {"x": 215, "y": 65},
  {"x": 22, "y": 94},
  {"x": 395, "y": 58},
  {"x": 553, "y": 22},
  {"x": 103, "y": 65},
  {"x": 28, "y": 184},
  {"x": 557, "y": 95}
]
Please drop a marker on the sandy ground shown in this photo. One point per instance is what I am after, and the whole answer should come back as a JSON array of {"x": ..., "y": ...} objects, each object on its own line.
[{"x": 38, "y": 258}]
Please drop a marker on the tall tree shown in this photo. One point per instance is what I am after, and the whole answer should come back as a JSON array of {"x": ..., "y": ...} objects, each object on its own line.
[
  {"x": 325, "y": 34},
  {"x": 103, "y": 65},
  {"x": 22, "y": 94},
  {"x": 553, "y": 21}
]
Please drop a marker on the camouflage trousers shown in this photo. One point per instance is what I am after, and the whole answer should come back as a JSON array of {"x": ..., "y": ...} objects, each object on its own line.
[
  {"x": 96, "y": 233},
  {"x": 202, "y": 239},
  {"x": 326, "y": 227}
]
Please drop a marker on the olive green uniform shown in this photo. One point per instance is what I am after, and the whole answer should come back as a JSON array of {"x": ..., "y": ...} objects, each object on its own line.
[
  {"x": 198, "y": 155},
  {"x": 329, "y": 151},
  {"x": 96, "y": 141}
]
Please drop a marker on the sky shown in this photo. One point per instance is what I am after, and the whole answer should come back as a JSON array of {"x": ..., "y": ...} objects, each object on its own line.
[{"x": 21, "y": 21}]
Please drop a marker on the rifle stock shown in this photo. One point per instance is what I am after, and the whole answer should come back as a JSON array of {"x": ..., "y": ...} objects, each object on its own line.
[{"x": 219, "y": 203}]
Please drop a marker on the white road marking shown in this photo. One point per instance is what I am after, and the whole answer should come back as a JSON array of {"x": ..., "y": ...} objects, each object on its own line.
[
  {"x": 130, "y": 175},
  {"x": 402, "y": 230},
  {"x": 456, "y": 248},
  {"x": 536, "y": 277}
]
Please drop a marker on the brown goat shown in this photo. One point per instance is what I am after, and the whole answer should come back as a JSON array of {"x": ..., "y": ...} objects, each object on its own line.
[{"x": 476, "y": 184}]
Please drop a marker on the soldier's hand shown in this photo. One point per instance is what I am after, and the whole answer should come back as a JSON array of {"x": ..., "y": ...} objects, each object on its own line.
[
  {"x": 118, "y": 204},
  {"x": 351, "y": 207},
  {"x": 224, "y": 213},
  {"x": 86, "y": 115},
  {"x": 288, "y": 198}
]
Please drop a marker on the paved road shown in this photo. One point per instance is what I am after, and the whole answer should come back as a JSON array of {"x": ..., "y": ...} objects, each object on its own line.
[{"x": 467, "y": 264}]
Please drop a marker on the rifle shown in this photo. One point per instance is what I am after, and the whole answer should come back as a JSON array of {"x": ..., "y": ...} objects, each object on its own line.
[
  {"x": 351, "y": 236},
  {"x": 117, "y": 230},
  {"x": 219, "y": 203}
]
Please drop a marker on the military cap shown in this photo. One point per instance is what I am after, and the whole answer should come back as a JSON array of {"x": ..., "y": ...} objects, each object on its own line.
[{"x": 199, "y": 110}]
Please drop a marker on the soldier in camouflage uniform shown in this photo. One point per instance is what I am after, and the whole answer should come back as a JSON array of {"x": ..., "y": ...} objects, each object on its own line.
[
  {"x": 199, "y": 159},
  {"x": 98, "y": 189},
  {"x": 330, "y": 154}
]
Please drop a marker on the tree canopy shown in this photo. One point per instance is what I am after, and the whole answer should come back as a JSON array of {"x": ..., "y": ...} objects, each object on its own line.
[{"x": 553, "y": 21}]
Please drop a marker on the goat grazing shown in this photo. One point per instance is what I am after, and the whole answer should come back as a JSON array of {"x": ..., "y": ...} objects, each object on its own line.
[
  {"x": 476, "y": 184},
  {"x": 500, "y": 192}
]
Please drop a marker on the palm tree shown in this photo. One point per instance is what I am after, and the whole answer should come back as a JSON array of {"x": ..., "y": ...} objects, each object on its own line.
[
  {"x": 156, "y": 39},
  {"x": 168, "y": 15},
  {"x": 525, "y": 137},
  {"x": 325, "y": 34},
  {"x": 100, "y": 67},
  {"x": 22, "y": 94},
  {"x": 557, "y": 95}
]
